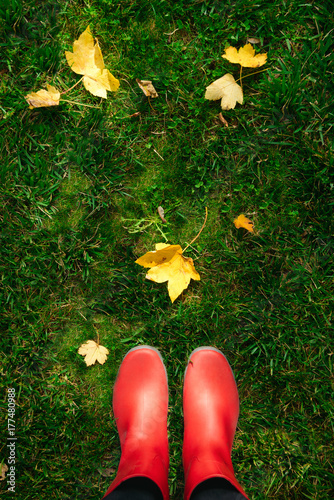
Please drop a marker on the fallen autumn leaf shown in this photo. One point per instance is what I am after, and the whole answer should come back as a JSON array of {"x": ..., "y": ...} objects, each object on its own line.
[
  {"x": 86, "y": 59},
  {"x": 168, "y": 264},
  {"x": 226, "y": 89},
  {"x": 242, "y": 221},
  {"x": 245, "y": 56},
  {"x": 93, "y": 352},
  {"x": 3, "y": 470},
  {"x": 43, "y": 98},
  {"x": 147, "y": 87}
]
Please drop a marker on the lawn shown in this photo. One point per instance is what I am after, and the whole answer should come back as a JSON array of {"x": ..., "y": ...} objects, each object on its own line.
[{"x": 80, "y": 186}]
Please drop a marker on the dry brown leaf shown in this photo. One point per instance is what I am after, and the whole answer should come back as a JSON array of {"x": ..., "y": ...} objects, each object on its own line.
[
  {"x": 109, "y": 471},
  {"x": 245, "y": 56},
  {"x": 242, "y": 221},
  {"x": 226, "y": 89},
  {"x": 253, "y": 40},
  {"x": 93, "y": 352},
  {"x": 43, "y": 98},
  {"x": 86, "y": 59},
  {"x": 161, "y": 213},
  {"x": 147, "y": 87},
  {"x": 3, "y": 470},
  {"x": 168, "y": 264}
]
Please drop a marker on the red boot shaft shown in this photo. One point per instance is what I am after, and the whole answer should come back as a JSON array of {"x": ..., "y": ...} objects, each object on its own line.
[
  {"x": 140, "y": 404},
  {"x": 211, "y": 410}
]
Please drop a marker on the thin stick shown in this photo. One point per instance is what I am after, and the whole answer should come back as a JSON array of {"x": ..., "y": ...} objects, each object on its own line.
[
  {"x": 158, "y": 154},
  {"x": 172, "y": 33},
  {"x": 65, "y": 91},
  {"x": 241, "y": 77},
  {"x": 192, "y": 241}
]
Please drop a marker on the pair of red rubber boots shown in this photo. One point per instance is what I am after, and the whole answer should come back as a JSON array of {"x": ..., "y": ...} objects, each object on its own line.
[{"x": 211, "y": 410}]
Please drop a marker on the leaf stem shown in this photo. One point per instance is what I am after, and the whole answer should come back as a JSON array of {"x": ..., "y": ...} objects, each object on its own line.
[
  {"x": 192, "y": 241},
  {"x": 149, "y": 101},
  {"x": 65, "y": 91},
  {"x": 79, "y": 103},
  {"x": 97, "y": 334},
  {"x": 251, "y": 74}
]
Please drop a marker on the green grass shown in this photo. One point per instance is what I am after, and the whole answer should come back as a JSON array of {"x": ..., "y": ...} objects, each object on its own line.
[{"x": 80, "y": 187}]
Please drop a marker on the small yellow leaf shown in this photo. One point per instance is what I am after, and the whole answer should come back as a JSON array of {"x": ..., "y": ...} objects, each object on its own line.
[
  {"x": 245, "y": 56},
  {"x": 147, "y": 87},
  {"x": 43, "y": 98},
  {"x": 86, "y": 59},
  {"x": 242, "y": 221},
  {"x": 93, "y": 352},
  {"x": 226, "y": 89},
  {"x": 168, "y": 264}
]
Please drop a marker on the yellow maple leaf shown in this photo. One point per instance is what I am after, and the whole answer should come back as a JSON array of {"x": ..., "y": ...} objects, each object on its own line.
[
  {"x": 245, "y": 56},
  {"x": 242, "y": 221},
  {"x": 93, "y": 352},
  {"x": 226, "y": 89},
  {"x": 43, "y": 98},
  {"x": 86, "y": 59},
  {"x": 168, "y": 264}
]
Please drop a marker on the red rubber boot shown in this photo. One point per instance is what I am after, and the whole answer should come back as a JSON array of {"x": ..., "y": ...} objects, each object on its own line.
[
  {"x": 140, "y": 404},
  {"x": 211, "y": 410}
]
